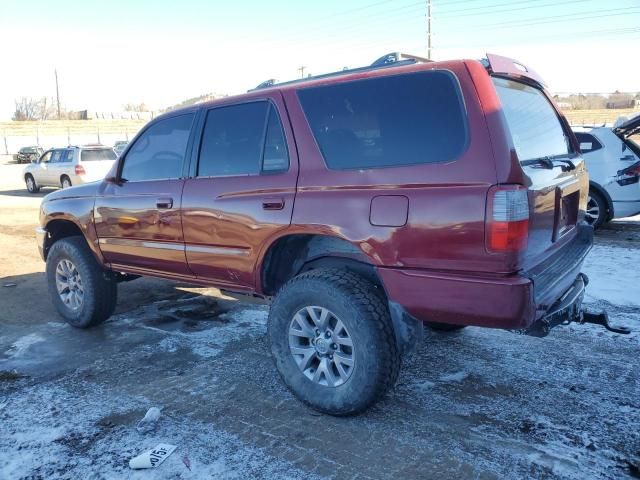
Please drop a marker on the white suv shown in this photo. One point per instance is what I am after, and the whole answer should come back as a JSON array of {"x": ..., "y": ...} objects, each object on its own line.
[
  {"x": 612, "y": 156},
  {"x": 64, "y": 167}
]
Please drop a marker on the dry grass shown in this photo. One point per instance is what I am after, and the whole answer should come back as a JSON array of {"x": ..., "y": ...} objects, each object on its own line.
[
  {"x": 65, "y": 127},
  {"x": 597, "y": 117}
]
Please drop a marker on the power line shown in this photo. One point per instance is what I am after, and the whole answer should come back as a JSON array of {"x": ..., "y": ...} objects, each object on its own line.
[{"x": 553, "y": 4}]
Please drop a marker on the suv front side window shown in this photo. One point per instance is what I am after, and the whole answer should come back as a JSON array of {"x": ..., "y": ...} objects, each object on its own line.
[
  {"x": 159, "y": 152},
  {"x": 56, "y": 156},
  {"x": 46, "y": 158}
]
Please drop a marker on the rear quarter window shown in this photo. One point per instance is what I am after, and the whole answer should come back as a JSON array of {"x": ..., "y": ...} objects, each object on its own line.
[
  {"x": 588, "y": 143},
  {"x": 391, "y": 121}
]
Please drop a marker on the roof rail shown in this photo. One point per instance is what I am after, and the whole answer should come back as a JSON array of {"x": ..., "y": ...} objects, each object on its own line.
[{"x": 389, "y": 60}]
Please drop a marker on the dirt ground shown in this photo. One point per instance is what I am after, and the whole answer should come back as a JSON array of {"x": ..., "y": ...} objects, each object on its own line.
[{"x": 475, "y": 404}]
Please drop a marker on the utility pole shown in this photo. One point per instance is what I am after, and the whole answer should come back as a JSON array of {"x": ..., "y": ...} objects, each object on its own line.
[
  {"x": 55, "y": 70},
  {"x": 301, "y": 70},
  {"x": 429, "y": 29}
]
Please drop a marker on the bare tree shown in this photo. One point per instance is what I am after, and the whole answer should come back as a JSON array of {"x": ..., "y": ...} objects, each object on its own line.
[
  {"x": 27, "y": 108},
  {"x": 136, "y": 107},
  {"x": 30, "y": 108}
]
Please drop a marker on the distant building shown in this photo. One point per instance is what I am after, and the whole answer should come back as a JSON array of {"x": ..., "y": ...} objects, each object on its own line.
[
  {"x": 564, "y": 105},
  {"x": 628, "y": 103},
  {"x": 96, "y": 115}
]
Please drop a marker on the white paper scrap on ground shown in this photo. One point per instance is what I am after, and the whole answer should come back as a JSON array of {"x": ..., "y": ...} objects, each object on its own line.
[
  {"x": 149, "y": 421},
  {"x": 152, "y": 458}
]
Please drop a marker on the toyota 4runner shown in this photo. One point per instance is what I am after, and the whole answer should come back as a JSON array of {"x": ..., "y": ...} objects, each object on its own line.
[{"x": 361, "y": 203}]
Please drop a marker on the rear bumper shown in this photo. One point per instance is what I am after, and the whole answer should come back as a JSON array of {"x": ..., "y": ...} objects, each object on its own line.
[
  {"x": 626, "y": 209},
  {"x": 513, "y": 302}
]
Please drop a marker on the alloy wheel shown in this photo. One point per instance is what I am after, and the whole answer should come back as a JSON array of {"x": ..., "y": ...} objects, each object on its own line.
[
  {"x": 30, "y": 184},
  {"x": 321, "y": 346},
  {"x": 69, "y": 284},
  {"x": 593, "y": 210}
]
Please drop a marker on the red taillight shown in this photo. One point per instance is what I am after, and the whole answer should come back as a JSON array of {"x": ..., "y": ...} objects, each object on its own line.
[
  {"x": 80, "y": 170},
  {"x": 633, "y": 170},
  {"x": 507, "y": 218}
]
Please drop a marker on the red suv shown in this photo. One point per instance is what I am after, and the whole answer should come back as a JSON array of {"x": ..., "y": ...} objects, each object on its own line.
[{"x": 362, "y": 203}]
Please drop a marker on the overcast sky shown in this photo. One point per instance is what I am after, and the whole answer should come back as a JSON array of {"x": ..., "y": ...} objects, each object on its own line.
[{"x": 109, "y": 53}]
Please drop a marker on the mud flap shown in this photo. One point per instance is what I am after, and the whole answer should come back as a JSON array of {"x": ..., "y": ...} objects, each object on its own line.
[{"x": 409, "y": 331}]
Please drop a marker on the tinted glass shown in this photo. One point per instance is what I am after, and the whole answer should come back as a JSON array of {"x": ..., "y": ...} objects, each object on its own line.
[
  {"x": 388, "y": 121},
  {"x": 533, "y": 123},
  {"x": 588, "y": 143},
  {"x": 233, "y": 139},
  {"x": 159, "y": 152},
  {"x": 56, "y": 156},
  {"x": 101, "y": 154},
  {"x": 46, "y": 157},
  {"x": 276, "y": 156}
]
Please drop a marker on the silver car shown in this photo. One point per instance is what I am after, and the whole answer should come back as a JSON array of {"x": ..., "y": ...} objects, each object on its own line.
[{"x": 64, "y": 167}]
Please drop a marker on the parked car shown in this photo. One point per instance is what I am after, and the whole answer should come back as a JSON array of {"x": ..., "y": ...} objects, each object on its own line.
[
  {"x": 28, "y": 154},
  {"x": 361, "y": 203},
  {"x": 64, "y": 167},
  {"x": 119, "y": 146},
  {"x": 613, "y": 161}
]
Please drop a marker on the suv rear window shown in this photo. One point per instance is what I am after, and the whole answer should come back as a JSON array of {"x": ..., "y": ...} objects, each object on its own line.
[
  {"x": 98, "y": 154},
  {"x": 533, "y": 122},
  {"x": 388, "y": 121}
]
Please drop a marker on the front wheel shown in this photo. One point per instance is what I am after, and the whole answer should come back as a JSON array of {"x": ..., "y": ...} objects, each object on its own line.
[
  {"x": 80, "y": 289},
  {"x": 333, "y": 342}
]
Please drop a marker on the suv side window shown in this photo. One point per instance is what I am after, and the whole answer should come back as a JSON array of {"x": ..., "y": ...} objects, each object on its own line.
[
  {"x": 244, "y": 139},
  {"x": 159, "y": 152},
  {"x": 390, "y": 121},
  {"x": 56, "y": 156},
  {"x": 46, "y": 158},
  {"x": 67, "y": 156},
  {"x": 588, "y": 143}
]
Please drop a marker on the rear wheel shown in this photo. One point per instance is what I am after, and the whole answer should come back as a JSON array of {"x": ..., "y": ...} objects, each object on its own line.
[
  {"x": 597, "y": 210},
  {"x": 80, "y": 289},
  {"x": 31, "y": 184},
  {"x": 333, "y": 342},
  {"x": 65, "y": 181}
]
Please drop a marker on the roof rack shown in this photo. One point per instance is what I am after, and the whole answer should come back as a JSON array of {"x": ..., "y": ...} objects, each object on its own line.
[{"x": 392, "y": 59}]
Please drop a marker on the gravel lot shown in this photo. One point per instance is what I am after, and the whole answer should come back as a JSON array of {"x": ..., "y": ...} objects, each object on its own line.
[{"x": 475, "y": 404}]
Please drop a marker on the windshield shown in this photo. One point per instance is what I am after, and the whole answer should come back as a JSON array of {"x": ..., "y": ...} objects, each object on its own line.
[
  {"x": 98, "y": 154},
  {"x": 533, "y": 122}
]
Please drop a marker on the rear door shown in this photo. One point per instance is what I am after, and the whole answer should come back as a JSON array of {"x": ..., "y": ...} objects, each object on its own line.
[
  {"x": 137, "y": 216},
  {"x": 555, "y": 174},
  {"x": 242, "y": 189}
]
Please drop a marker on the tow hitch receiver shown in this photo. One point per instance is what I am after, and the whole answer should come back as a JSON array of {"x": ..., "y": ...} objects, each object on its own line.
[
  {"x": 602, "y": 318},
  {"x": 569, "y": 309}
]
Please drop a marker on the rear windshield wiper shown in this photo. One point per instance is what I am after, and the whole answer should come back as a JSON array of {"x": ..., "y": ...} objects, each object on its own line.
[{"x": 548, "y": 162}]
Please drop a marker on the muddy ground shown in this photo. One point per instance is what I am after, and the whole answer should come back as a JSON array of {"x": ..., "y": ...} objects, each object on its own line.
[{"x": 474, "y": 404}]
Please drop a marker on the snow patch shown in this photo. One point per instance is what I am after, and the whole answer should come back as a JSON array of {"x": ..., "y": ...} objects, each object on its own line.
[
  {"x": 613, "y": 275},
  {"x": 454, "y": 377},
  {"x": 20, "y": 346}
]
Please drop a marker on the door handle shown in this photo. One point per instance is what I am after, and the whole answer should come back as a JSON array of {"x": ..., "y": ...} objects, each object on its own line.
[
  {"x": 164, "y": 203},
  {"x": 273, "y": 203}
]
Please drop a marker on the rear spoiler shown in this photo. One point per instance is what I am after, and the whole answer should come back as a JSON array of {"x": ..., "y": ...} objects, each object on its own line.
[{"x": 508, "y": 67}]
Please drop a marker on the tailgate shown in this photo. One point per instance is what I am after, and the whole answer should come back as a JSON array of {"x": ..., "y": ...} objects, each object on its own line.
[{"x": 554, "y": 173}]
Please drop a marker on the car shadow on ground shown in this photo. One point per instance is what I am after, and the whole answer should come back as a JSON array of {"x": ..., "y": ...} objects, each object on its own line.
[
  {"x": 19, "y": 290},
  {"x": 25, "y": 193}
]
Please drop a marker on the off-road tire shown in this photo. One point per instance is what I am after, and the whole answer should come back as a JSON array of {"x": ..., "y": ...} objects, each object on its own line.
[
  {"x": 444, "y": 327},
  {"x": 364, "y": 311},
  {"x": 35, "y": 188},
  {"x": 100, "y": 289}
]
